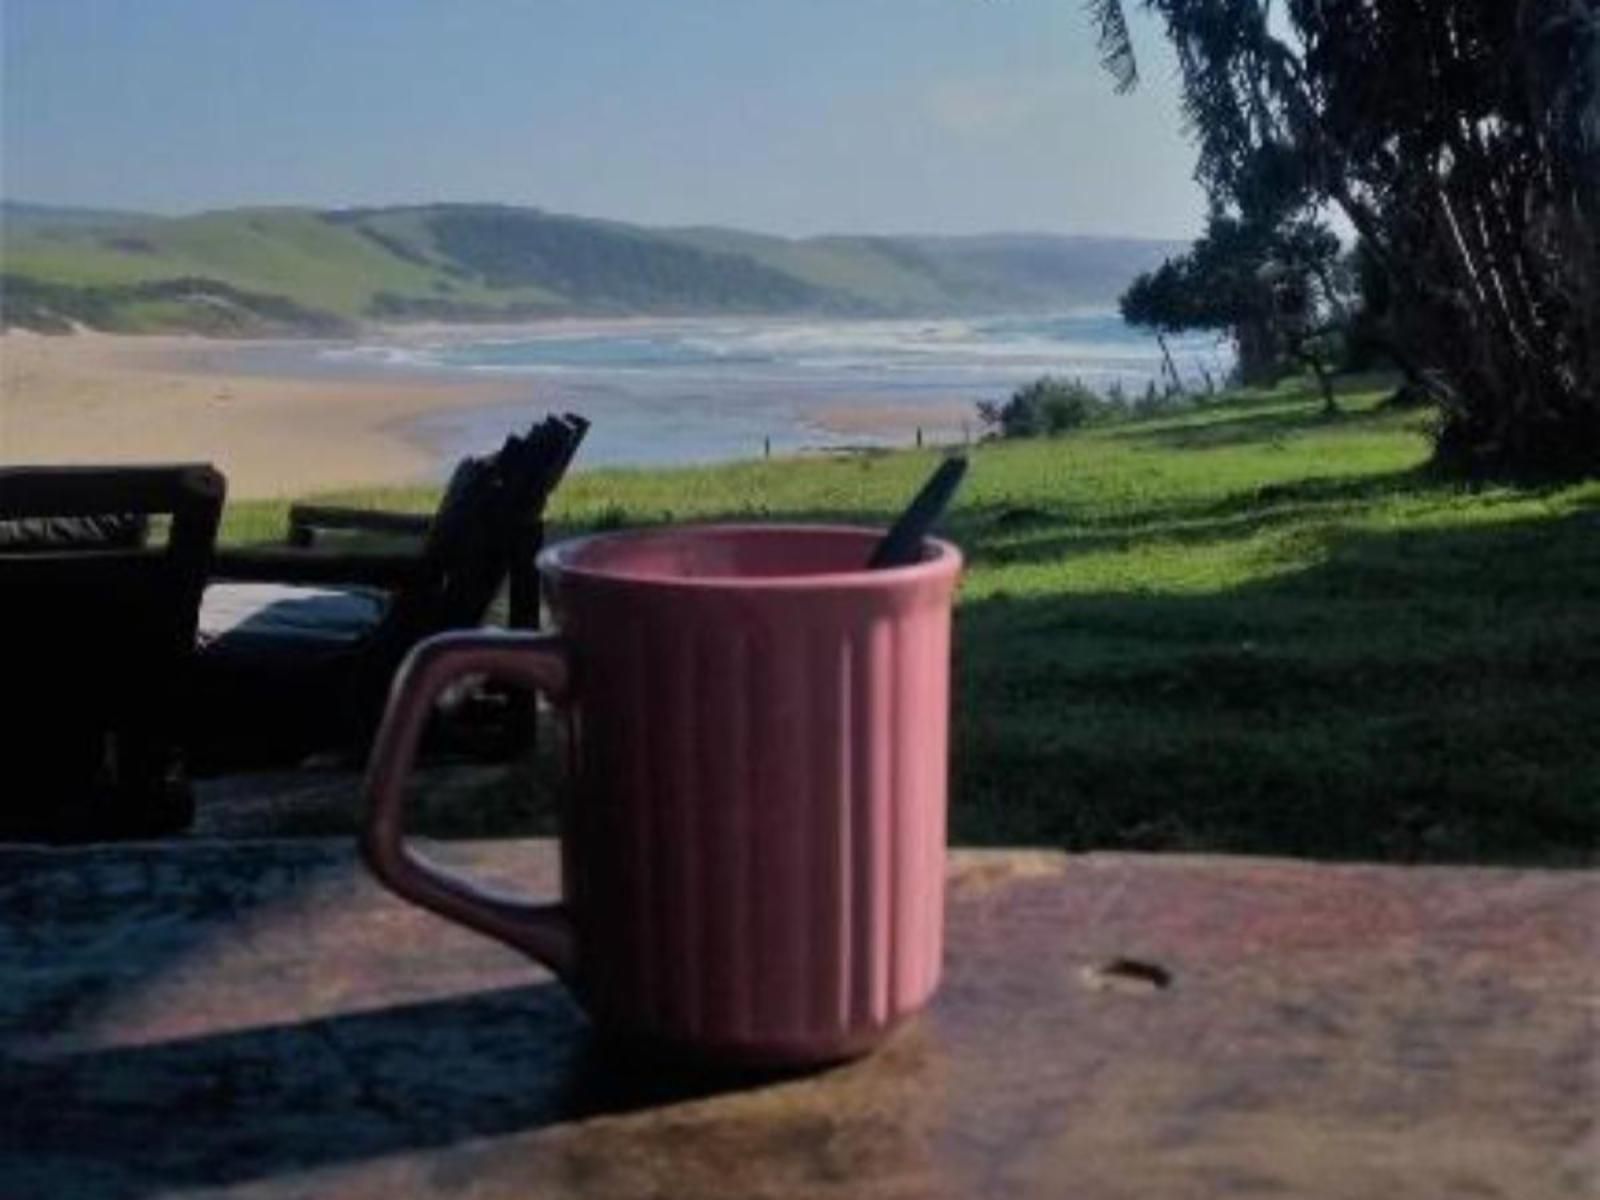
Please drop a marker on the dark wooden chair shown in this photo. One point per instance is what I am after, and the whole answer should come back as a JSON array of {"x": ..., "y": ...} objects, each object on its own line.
[
  {"x": 97, "y": 637},
  {"x": 298, "y": 643}
]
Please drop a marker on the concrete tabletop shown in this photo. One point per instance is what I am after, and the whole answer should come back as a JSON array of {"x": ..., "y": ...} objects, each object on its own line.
[{"x": 259, "y": 1018}]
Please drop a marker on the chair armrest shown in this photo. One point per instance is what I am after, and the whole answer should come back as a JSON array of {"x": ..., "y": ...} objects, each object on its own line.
[
  {"x": 276, "y": 565},
  {"x": 305, "y": 519}
]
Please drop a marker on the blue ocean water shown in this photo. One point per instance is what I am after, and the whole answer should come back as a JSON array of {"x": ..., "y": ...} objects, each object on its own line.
[{"x": 706, "y": 389}]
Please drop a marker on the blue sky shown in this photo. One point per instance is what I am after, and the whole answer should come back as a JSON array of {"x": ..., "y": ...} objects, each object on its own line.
[{"x": 799, "y": 117}]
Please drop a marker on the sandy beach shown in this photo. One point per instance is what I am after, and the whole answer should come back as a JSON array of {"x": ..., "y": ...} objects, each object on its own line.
[
  {"x": 942, "y": 421},
  {"x": 100, "y": 398}
]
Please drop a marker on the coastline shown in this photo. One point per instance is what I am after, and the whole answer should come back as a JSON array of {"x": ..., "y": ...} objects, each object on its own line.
[
  {"x": 287, "y": 418},
  {"x": 107, "y": 398}
]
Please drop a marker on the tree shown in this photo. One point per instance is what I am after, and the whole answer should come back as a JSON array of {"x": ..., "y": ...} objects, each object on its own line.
[
  {"x": 1272, "y": 286},
  {"x": 1461, "y": 139}
]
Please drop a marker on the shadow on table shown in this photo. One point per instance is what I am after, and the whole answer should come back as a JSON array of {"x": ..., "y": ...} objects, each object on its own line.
[{"x": 231, "y": 1107}]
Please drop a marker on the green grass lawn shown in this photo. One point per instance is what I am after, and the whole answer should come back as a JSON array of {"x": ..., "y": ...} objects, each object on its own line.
[{"x": 1247, "y": 628}]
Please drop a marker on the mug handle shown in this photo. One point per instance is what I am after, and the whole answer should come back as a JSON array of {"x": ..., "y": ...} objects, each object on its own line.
[{"x": 538, "y": 661}]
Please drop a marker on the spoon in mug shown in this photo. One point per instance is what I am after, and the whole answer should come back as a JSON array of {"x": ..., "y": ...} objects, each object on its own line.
[{"x": 902, "y": 545}]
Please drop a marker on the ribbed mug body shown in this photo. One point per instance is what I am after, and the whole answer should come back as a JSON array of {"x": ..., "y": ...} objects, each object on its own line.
[{"x": 754, "y": 848}]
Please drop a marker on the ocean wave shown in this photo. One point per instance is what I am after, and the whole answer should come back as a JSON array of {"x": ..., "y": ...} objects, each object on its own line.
[
  {"x": 721, "y": 356},
  {"x": 383, "y": 355}
]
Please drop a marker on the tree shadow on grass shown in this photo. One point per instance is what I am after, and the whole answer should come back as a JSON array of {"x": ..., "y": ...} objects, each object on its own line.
[
  {"x": 1243, "y": 428},
  {"x": 1420, "y": 695},
  {"x": 1266, "y": 417},
  {"x": 1423, "y": 695},
  {"x": 1022, "y": 534},
  {"x": 1011, "y": 531},
  {"x": 1417, "y": 695}
]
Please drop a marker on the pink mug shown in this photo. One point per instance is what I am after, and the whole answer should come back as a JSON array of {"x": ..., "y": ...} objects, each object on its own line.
[{"x": 753, "y": 851}]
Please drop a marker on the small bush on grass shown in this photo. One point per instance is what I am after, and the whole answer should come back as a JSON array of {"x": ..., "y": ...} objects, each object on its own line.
[{"x": 1043, "y": 408}]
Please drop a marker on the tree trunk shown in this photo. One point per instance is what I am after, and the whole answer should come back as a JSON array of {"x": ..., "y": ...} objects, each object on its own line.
[
  {"x": 1259, "y": 355},
  {"x": 1330, "y": 402},
  {"x": 1172, "y": 370}
]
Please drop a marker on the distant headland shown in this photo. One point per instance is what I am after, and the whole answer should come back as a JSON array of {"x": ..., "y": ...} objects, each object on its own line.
[{"x": 289, "y": 271}]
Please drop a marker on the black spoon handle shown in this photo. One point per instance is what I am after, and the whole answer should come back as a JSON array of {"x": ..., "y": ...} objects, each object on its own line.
[{"x": 902, "y": 545}]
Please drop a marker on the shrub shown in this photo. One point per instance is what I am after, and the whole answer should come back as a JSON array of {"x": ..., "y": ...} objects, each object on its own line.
[{"x": 1042, "y": 408}]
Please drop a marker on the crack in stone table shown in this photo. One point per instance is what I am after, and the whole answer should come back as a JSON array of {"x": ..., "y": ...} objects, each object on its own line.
[{"x": 259, "y": 1018}]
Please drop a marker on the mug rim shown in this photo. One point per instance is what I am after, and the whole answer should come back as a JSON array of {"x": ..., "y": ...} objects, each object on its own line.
[{"x": 556, "y": 561}]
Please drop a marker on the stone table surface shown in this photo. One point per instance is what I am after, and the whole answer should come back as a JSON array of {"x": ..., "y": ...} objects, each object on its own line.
[{"x": 258, "y": 1018}]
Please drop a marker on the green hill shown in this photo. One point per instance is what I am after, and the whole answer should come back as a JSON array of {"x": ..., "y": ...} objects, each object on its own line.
[
  {"x": 276, "y": 270},
  {"x": 17, "y": 218}
]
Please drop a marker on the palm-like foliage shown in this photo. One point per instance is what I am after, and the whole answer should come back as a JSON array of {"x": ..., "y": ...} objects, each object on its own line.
[
  {"x": 1462, "y": 140},
  {"x": 1116, "y": 46}
]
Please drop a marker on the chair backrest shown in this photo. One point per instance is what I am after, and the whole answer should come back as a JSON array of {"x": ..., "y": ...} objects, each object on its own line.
[
  {"x": 93, "y": 531},
  {"x": 480, "y": 529},
  {"x": 462, "y": 552},
  {"x": 70, "y": 535},
  {"x": 538, "y": 476},
  {"x": 97, "y": 625}
]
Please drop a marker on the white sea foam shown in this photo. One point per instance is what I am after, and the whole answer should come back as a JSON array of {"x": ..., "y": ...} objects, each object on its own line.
[{"x": 384, "y": 355}]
